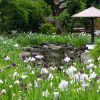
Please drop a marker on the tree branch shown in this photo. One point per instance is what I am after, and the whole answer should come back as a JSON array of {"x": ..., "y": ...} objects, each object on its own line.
[
  {"x": 61, "y": 2},
  {"x": 62, "y": 9},
  {"x": 50, "y": 2}
]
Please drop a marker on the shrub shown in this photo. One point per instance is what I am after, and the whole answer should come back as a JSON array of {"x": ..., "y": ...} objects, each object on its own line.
[
  {"x": 79, "y": 40},
  {"x": 95, "y": 53},
  {"x": 22, "y": 15},
  {"x": 48, "y": 28}
]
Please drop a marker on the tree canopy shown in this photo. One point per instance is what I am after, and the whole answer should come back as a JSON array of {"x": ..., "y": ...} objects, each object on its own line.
[
  {"x": 23, "y": 15},
  {"x": 28, "y": 15}
]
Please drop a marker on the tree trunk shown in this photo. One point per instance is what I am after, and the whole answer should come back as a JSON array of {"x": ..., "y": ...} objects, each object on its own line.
[
  {"x": 58, "y": 25},
  {"x": 56, "y": 10}
]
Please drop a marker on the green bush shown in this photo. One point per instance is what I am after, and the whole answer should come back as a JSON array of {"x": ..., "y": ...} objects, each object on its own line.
[
  {"x": 79, "y": 40},
  {"x": 48, "y": 28},
  {"x": 95, "y": 53},
  {"x": 22, "y": 15}
]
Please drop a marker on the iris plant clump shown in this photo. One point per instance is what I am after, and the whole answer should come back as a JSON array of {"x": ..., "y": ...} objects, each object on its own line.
[{"x": 29, "y": 78}]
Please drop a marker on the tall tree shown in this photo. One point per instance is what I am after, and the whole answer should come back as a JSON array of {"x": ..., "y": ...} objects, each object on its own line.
[{"x": 57, "y": 8}]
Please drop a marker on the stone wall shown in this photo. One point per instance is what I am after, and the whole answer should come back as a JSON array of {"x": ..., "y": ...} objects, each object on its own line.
[{"x": 54, "y": 53}]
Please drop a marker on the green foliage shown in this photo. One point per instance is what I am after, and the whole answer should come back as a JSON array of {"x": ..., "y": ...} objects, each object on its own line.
[
  {"x": 28, "y": 15},
  {"x": 90, "y": 3},
  {"x": 95, "y": 53},
  {"x": 24, "y": 80},
  {"x": 48, "y": 28},
  {"x": 23, "y": 15},
  {"x": 79, "y": 40},
  {"x": 75, "y": 6},
  {"x": 30, "y": 39}
]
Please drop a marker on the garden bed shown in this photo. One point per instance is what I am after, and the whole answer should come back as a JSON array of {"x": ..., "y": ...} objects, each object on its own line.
[{"x": 31, "y": 77}]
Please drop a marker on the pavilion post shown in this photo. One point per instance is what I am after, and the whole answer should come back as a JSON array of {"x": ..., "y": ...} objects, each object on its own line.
[{"x": 92, "y": 30}]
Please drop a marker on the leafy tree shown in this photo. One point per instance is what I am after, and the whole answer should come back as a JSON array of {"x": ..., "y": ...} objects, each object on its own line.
[
  {"x": 23, "y": 15},
  {"x": 73, "y": 6},
  {"x": 27, "y": 15},
  {"x": 57, "y": 9}
]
